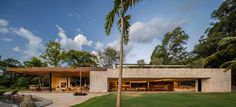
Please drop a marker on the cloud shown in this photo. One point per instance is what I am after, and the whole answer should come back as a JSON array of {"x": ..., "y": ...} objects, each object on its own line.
[
  {"x": 94, "y": 53},
  {"x": 114, "y": 44},
  {"x": 99, "y": 45},
  {"x": 3, "y": 22},
  {"x": 3, "y": 26},
  {"x": 6, "y": 39},
  {"x": 142, "y": 34},
  {"x": 3, "y": 30},
  {"x": 17, "y": 49},
  {"x": 146, "y": 32},
  {"x": 76, "y": 43},
  {"x": 34, "y": 46}
]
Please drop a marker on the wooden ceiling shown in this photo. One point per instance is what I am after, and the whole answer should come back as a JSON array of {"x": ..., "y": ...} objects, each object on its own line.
[{"x": 42, "y": 71}]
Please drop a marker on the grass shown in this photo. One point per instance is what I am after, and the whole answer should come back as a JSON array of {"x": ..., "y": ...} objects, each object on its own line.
[{"x": 165, "y": 100}]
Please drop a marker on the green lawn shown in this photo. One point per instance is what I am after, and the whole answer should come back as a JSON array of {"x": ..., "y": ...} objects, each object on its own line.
[{"x": 165, "y": 100}]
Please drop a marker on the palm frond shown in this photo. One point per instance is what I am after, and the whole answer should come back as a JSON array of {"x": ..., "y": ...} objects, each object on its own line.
[
  {"x": 126, "y": 26},
  {"x": 109, "y": 20},
  {"x": 130, "y": 3}
]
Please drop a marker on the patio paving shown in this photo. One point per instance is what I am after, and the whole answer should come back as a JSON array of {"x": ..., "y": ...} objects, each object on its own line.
[{"x": 62, "y": 99}]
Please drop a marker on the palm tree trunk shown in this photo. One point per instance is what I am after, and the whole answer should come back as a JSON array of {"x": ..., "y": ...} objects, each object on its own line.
[{"x": 118, "y": 99}]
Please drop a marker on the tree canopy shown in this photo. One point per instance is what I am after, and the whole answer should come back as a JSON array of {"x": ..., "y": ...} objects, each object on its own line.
[
  {"x": 217, "y": 46},
  {"x": 34, "y": 62},
  {"x": 10, "y": 62},
  {"x": 108, "y": 57},
  {"x": 53, "y": 54},
  {"x": 172, "y": 50},
  {"x": 76, "y": 58}
]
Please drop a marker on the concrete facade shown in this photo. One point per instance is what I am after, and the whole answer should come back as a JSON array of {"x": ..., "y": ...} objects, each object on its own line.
[{"x": 212, "y": 80}]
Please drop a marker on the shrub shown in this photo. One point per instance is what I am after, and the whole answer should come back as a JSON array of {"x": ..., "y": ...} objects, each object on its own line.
[{"x": 21, "y": 82}]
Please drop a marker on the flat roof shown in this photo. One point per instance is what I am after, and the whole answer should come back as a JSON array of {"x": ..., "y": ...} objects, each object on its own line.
[
  {"x": 56, "y": 70},
  {"x": 151, "y": 66}
]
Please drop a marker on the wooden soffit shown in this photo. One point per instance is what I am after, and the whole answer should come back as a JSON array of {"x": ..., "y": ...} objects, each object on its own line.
[{"x": 55, "y": 70}]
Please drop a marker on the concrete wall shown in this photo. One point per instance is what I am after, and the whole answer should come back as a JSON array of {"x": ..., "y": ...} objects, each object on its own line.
[
  {"x": 219, "y": 82},
  {"x": 98, "y": 81},
  {"x": 213, "y": 80}
]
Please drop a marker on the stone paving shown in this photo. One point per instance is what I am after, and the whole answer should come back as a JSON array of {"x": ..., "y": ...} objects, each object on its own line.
[{"x": 62, "y": 99}]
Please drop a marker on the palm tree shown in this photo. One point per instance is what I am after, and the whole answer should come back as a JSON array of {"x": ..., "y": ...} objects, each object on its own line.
[{"x": 120, "y": 8}]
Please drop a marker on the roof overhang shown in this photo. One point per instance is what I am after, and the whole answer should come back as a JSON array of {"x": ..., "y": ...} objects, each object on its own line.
[{"x": 41, "y": 71}]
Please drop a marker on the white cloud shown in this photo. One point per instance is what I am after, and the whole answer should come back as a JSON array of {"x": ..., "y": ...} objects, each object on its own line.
[
  {"x": 76, "y": 43},
  {"x": 144, "y": 37},
  {"x": 3, "y": 26},
  {"x": 99, "y": 45},
  {"x": 146, "y": 32},
  {"x": 6, "y": 39},
  {"x": 34, "y": 46},
  {"x": 114, "y": 44},
  {"x": 94, "y": 53},
  {"x": 17, "y": 49},
  {"x": 3, "y": 22},
  {"x": 3, "y": 30}
]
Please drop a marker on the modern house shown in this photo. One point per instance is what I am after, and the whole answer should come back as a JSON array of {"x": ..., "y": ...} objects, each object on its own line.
[{"x": 135, "y": 78}]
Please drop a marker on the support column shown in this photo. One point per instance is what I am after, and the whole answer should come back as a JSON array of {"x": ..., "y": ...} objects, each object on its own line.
[
  {"x": 148, "y": 86},
  {"x": 196, "y": 85},
  {"x": 80, "y": 81},
  {"x": 67, "y": 82},
  {"x": 50, "y": 82}
]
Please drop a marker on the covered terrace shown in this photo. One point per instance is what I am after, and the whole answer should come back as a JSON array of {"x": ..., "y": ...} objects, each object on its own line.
[{"x": 60, "y": 77}]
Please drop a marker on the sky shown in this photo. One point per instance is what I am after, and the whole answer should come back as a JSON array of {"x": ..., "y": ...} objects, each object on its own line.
[{"x": 26, "y": 26}]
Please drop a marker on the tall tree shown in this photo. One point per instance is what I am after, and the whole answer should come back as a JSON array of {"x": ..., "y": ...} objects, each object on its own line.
[
  {"x": 141, "y": 62},
  {"x": 223, "y": 26},
  {"x": 120, "y": 9},
  {"x": 10, "y": 62},
  {"x": 34, "y": 62},
  {"x": 108, "y": 57},
  {"x": 80, "y": 59},
  {"x": 53, "y": 54},
  {"x": 225, "y": 55},
  {"x": 159, "y": 56},
  {"x": 172, "y": 50},
  {"x": 174, "y": 43}
]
